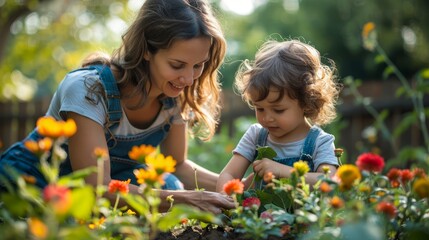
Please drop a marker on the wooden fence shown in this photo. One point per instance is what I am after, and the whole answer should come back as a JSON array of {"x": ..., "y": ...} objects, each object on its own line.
[{"x": 17, "y": 119}]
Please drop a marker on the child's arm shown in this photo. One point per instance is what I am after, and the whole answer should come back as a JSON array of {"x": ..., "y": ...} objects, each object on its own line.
[
  {"x": 283, "y": 171},
  {"x": 235, "y": 169}
]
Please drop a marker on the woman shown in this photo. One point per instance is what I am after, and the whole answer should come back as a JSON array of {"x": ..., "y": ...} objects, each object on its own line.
[{"x": 162, "y": 79}]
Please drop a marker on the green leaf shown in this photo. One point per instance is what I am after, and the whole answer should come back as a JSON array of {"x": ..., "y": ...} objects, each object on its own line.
[
  {"x": 404, "y": 124},
  {"x": 137, "y": 202},
  {"x": 379, "y": 59},
  {"x": 83, "y": 200},
  {"x": 265, "y": 152},
  {"x": 387, "y": 72},
  {"x": 80, "y": 232},
  {"x": 180, "y": 211}
]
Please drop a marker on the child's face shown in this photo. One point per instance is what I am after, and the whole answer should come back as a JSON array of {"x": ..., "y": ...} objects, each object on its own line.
[
  {"x": 284, "y": 118},
  {"x": 173, "y": 69}
]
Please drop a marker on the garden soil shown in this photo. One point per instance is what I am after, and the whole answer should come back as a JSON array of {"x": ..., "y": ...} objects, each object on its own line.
[{"x": 196, "y": 233}]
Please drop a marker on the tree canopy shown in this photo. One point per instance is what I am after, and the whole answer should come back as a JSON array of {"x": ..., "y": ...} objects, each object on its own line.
[{"x": 41, "y": 40}]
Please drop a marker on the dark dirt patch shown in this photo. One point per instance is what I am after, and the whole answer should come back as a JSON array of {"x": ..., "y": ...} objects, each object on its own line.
[{"x": 196, "y": 233}]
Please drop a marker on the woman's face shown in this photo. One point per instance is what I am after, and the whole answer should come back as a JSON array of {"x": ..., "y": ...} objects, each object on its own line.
[{"x": 173, "y": 69}]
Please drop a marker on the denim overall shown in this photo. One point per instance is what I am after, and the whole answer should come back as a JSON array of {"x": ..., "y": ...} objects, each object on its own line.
[
  {"x": 306, "y": 152},
  {"x": 121, "y": 165}
]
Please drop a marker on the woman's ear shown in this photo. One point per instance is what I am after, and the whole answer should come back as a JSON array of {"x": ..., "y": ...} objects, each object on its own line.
[{"x": 147, "y": 56}]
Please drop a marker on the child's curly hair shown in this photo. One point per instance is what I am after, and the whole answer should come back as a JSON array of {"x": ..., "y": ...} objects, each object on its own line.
[{"x": 294, "y": 68}]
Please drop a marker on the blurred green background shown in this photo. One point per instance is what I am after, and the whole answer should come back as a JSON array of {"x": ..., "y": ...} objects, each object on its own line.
[{"x": 41, "y": 40}]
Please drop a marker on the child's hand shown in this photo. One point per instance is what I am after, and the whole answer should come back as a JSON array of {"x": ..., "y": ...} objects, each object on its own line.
[{"x": 265, "y": 165}]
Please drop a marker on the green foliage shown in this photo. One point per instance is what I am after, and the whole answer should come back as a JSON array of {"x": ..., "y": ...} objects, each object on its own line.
[{"x": 407, "y": 91}]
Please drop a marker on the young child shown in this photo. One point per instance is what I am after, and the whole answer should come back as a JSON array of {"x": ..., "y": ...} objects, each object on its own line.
[{"x": 293, "y": 93}]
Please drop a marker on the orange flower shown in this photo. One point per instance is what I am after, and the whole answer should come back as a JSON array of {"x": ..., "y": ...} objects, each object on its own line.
[
  {"x": 369, "y": 36},
  {"x": 325, "y": 187},
  {"x": 119, "y": 186},
  {"x": 139, "y": 153},
  {"x": 234, "y": 186},
  {"x": 101, "y": 153},
  {"x": 268, "y": 177},
  {"x": 387, "y": 208},
  {"x": 148, "y": 176},
  {"x": 337, "y": 202},
  {"x": 39, "y": 147},
  {"x": 37, "y": 228},
  {"x": 29, "y": 179},
  {"x": 370, "y": 162},
  {"x": 367, "y": 29},
  {"x": 49, "y": 127},
  {"x": 59, "y": 197},
  {"x": 161, "y": 164}
]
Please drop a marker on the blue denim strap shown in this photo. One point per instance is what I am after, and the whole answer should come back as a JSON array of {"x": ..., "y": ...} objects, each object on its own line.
[
  {"x": 261, "y": 140},
  {"x": 112, "y": 93},
  {"x": 309, "y": 145}
]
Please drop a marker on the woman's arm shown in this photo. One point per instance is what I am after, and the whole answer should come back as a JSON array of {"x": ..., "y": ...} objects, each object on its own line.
[{"x": 176, "y": 145}]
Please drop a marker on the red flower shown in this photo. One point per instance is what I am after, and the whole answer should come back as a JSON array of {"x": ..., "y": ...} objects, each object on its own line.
[
  {"x": 387, "y": 208},
  {"x": 119, "y": 186},
  {"x": 406, "y": 176},
  {"x": 419, "y": 173},
  {"x": 370, "y": 162},
  {"x": 251, "y": 202},
  {"x": 233, "y": 186},
  {"x": 59, "y": 197},
  {"x": 394, "y": 175}
]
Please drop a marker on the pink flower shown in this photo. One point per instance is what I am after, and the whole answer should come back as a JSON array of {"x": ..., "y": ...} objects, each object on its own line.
[
  {"x": 267, "y": 215},
  {"x": 370, "y": 162},
  {"x": 251, "y": 202}
]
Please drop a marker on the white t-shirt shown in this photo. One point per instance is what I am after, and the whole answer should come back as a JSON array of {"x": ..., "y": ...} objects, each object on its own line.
[
  {"x": 71, "y": 96},
  {"x": 323, "y": 150}
]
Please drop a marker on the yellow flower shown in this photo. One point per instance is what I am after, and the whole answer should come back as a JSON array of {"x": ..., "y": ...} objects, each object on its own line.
[
  {"x": 37, "y": 228},
  {"x": 421, "y": 187},
  {"x": 161, "y": 164},
  {"x": 348, "y": 174},
  {"x": 49, "y": 127},
  {"x": 301, "y": 167},
  {"x": 130, "y": 212},
  {"x": 364, "y": 188},
  {"x": 148, "y": 176},
  {"x": 139, "y": 153},
  {"x": 97, "y": 224}
]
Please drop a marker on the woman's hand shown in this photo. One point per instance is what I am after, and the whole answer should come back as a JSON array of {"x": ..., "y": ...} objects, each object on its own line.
[{"x": 210, "y": 201}]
